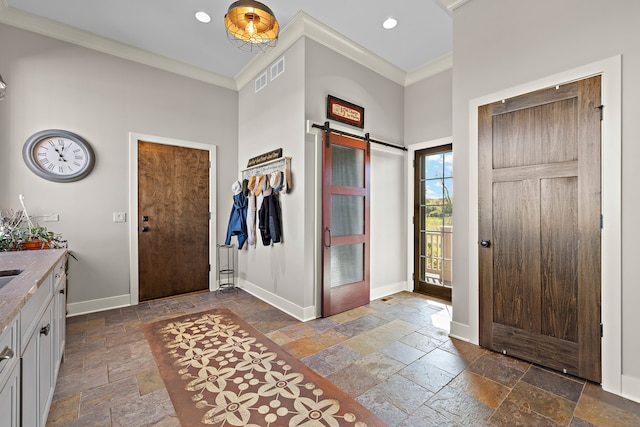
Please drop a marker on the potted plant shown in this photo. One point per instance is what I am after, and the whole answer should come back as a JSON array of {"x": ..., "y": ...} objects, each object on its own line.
[{"x": 18, "y": 233}]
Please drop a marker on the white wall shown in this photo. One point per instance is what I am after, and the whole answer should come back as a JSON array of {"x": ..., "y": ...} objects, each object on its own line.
[
  {"x": 53, "y": 84},
  {"x": 500, "y": 44},
  {"x": 269, "y": 119},
  {"x": 428, "y": 108}
]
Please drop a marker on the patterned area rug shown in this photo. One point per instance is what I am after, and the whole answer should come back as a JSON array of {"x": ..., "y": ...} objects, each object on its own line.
[{"x": 221, "y": 371}]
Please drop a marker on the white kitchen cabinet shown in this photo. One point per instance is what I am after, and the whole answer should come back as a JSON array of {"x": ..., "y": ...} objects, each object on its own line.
[
  {"x": 33, "y": 336},
  {"x": 59, "y": 312},
  {"x": 9, "y": 377},
  {"x": 38, "y": 370}
]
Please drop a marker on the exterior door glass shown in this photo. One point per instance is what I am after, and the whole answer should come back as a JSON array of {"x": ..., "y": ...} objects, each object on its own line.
[{"x": 434, "y": 225}]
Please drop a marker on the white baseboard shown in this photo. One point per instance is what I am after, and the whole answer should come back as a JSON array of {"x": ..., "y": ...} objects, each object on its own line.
[
  {"x": 386, "y": 290},
  {"x": 459, "y": 331},
  {"x": 631, "y": 388},
  {"x": 91, "y": 306},
  {"x": 303, "y": 314}
]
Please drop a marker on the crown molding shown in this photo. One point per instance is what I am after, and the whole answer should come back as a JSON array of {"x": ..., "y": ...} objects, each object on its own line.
[
  {"x": 434, "y": 67},
  {"x": 454, "y": 4},
  {"x": 56, "y": 30},
  {"x": 305, "y": 25}
]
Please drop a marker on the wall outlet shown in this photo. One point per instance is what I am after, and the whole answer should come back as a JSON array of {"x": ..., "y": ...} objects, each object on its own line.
[
  {"x": 51, "y": 218},
  {"x": 119, "y": 217}
]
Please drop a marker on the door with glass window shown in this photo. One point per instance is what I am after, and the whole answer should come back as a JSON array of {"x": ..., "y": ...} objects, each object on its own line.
[
  {"x": 345, "y": 223},
  {"x": 433, "y": 213}
]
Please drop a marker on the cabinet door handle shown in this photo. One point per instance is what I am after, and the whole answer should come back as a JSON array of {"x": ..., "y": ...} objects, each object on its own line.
[
  {"x": 45, "y": 330},
  {"x": 6, "y": 354},
  {"x": 62, "y": 291}
]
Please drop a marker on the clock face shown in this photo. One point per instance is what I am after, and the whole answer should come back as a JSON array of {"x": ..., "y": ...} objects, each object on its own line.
[{"x": 58, "y": 155}]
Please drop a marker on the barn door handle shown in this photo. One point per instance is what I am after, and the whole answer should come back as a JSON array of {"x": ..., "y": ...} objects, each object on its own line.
[
  {"x": 327, "y": 230},
  {"x": 485, "y": 243}
]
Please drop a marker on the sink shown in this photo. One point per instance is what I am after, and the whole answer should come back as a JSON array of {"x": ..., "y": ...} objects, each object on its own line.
[{"x": 8, "y": 275}]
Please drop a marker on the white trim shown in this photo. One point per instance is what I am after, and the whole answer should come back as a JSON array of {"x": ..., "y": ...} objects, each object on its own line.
[
  {"x": 432, "y": 68},
  {"x": 56, "y": 30},
  {"x": 459, "y": 331},
  {"x": 611, "y": 280},
  {"x": 303, "y": 314},
  {"x": 454, "y": 4},
  {"x": 133, "y": 206},
  {"x": 411, "y": 154},
  {"x": 95, "y": 305},
  {"x": 631, "y": 388},
  {"x": 386, "y": 290}
]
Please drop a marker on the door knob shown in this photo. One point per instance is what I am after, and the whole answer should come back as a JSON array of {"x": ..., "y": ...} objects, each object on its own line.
[
  {"x": 144, "y": 228},
  {"x": 485, "y": 243}
]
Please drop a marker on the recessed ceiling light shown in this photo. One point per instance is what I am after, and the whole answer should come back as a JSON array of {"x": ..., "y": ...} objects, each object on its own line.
[
  {"x": 389, "y": 23},
  {"x": 203, "y": 17}
]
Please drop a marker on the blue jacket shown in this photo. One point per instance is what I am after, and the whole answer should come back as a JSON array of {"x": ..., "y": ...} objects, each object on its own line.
[{"x": 238, "y": 220}]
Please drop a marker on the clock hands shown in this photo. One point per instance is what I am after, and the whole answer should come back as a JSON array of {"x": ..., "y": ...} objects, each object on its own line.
[{"x": 60, "y": 153}]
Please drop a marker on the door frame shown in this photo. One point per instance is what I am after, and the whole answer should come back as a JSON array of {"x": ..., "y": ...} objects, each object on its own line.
[
  {"x": 133, "y": 206},
  {"x": 411, "y": 154},
  {"x": 611, "y": 259}
]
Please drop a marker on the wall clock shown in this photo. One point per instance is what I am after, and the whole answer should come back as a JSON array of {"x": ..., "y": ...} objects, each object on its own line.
[{"x": 58, "y": 155}]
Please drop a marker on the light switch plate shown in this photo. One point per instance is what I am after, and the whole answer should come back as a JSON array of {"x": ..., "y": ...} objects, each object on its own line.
[{"x": 119, "y": 217}]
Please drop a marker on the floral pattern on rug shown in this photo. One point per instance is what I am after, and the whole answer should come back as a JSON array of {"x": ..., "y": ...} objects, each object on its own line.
[{"x": 241, "y": 378}]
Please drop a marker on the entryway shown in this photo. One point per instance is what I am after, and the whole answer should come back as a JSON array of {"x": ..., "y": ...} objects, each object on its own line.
[
  {"x": 172, "y": 207},
  {"x": 432, "y": 218}
]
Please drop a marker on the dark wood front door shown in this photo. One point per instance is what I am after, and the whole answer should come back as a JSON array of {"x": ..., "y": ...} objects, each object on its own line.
[
  {"x": 539, "y": 226},
  {"x": 345, "y": 223},
  {"x": 173, "y": 222}
]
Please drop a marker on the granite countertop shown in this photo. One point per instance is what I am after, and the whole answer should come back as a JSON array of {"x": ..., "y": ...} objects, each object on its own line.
[{"x": 36, "y": 266}]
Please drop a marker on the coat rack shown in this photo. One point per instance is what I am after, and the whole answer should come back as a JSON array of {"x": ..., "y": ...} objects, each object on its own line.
[{"x": 281, "y": 164}]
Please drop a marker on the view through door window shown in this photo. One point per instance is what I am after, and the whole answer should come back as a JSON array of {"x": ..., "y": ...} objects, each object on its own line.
[{"x": 433, "y": 215}]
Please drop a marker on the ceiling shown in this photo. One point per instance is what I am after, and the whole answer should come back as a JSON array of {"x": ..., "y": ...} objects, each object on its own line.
[{"x": 169, "y": 29}]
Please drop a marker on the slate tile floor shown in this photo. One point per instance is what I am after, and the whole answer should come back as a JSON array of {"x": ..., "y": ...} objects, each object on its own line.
[{"x": 393, "y": 355}]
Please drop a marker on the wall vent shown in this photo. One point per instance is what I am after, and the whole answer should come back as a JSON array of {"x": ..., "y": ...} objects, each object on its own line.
[
  {"x": 277, "y": 68},
  {"x": 261, "y": 81}
]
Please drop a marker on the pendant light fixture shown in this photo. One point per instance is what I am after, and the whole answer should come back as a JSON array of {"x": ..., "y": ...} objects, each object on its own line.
[
  {"x": 3, "y": 87},
  {"x": 251, "y": 26}
]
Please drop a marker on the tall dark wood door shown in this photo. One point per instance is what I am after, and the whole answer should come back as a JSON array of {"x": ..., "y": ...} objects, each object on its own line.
[
  {"x": 345, "y": 223},
  {"x": 539, "y": 225},
  {"x": 173, "y": 222}
]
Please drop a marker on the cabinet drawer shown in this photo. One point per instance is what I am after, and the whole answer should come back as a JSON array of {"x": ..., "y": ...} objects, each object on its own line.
[
  {"x": 29, "y": 314},
  {"x": 8, "y": 349}
]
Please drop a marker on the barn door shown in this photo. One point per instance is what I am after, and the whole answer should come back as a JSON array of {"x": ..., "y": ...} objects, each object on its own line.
[
  {"x": 345, "y": 223},
  {"x": 539, "y": 227}
]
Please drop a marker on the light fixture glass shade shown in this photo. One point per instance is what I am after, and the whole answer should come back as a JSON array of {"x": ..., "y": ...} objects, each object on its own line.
[{"x": 251, "y": 26}]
